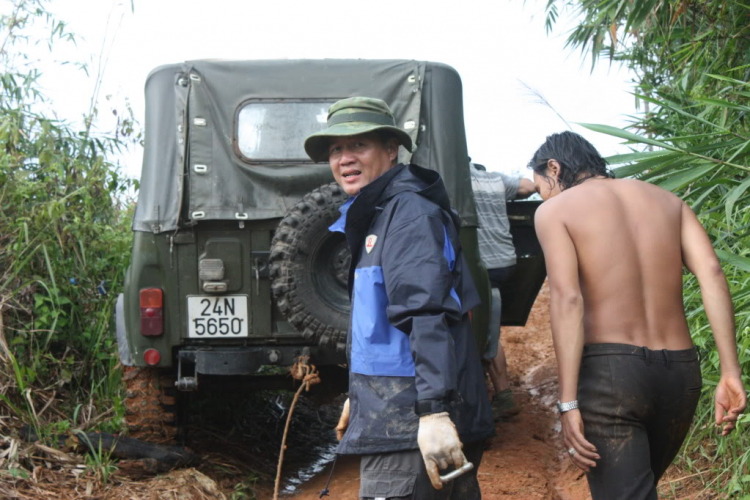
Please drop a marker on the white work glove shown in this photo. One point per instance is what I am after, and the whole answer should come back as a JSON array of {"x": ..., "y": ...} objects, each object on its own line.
[
  {"x": 440, "y": 446},
  {"x": 343, "y": 421}
]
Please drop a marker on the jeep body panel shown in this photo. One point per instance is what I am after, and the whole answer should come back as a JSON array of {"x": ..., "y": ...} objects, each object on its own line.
[
  {"x": 205, "y": 199},
  {"x": 520, "y": 291},
  {"x": 192, "y": 114}
]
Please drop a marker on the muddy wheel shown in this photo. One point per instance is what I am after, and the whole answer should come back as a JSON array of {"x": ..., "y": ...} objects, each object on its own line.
[
  {"x": 150, "y": 404},
  {"x": 310, "y": 267}
]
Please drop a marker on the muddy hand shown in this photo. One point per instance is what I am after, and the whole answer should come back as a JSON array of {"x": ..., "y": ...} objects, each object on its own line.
[
  {"x": 731, "y": 400},
  {"x": 343, "y": 421},
  {"x": 439, "y": 444},
  {"x": 580, "y": 450}
]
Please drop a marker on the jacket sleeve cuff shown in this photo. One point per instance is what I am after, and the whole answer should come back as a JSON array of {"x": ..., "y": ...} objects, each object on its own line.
[{"x": 430, "y": 406}]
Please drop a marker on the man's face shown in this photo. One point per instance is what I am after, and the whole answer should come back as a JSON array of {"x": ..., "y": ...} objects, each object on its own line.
[{"x": 358, "y": 160}]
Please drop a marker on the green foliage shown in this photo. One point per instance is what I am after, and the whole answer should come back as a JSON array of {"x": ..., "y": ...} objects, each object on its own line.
[
  {"x": 64, "y": 244},
  {"x": 99, "y": 461},
  {"x": 245, "y": 490},
  {"x": 691, "y": 59}
]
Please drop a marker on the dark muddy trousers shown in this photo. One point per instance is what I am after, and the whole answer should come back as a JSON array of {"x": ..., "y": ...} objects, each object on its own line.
[
  {"x": 637, "y": 406},
  {"x": 402, "y": 475}
]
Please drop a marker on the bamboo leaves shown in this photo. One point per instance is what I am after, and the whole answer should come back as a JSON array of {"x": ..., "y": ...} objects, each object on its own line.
[
  {"x": 735, "y": 260},
  {"x": 685, "y": 177},
  {"x": 732, "y": 197},
  {"x": 627, "y": 135}
]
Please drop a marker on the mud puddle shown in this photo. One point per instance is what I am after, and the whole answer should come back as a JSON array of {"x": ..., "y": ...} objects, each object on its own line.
[{"x": 243, "y": 441}]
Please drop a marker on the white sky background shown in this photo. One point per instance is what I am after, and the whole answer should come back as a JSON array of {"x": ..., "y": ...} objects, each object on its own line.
[{"x": 494, "y": 45}]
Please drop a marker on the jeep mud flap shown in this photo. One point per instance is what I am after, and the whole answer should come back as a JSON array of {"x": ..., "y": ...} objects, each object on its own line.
[{"x": 242, "y": 361}]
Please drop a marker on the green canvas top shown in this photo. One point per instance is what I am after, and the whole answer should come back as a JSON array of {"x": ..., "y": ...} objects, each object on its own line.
[{"x": 234, "y": 132}]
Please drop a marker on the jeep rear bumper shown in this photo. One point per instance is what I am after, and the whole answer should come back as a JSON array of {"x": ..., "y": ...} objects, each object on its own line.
[{"x": 242, "y": 360}]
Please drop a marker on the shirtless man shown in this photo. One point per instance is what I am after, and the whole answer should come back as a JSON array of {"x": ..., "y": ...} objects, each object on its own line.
[{"x": 629, "y": 374}]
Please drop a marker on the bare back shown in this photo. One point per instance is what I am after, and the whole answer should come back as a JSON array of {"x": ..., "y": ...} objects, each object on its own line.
[{"x": 627, "y": 237}]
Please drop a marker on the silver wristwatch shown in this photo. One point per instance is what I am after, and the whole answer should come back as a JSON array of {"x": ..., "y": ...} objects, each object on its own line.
[{"x": 570, "y": 405}]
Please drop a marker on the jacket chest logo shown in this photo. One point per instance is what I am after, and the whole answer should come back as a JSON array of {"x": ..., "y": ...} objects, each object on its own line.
[{"x": 370, "y": 242}]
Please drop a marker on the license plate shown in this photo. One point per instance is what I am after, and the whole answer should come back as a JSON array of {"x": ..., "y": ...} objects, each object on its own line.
[{"x": 217, "y": 317}]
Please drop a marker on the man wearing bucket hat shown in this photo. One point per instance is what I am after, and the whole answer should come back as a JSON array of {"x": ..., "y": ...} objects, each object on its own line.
[{"x": 417, "y": 398}]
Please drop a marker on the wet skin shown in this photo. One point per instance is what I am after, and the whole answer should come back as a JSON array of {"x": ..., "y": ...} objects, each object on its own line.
[
  {"x": 626, "y": 236},
  {"x": 615, "y": 251}
]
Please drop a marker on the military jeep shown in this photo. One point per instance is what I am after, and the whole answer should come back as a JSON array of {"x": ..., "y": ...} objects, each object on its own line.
[{"x": 233, "y": 269}]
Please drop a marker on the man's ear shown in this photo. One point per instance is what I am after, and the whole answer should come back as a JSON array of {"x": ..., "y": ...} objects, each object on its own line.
[
  {"x": 392, "y": 148},
  {"x": 553, "y": 168}
]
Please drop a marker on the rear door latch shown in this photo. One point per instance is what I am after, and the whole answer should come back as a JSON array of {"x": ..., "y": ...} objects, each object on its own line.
[{"x": 260, "y": 267}]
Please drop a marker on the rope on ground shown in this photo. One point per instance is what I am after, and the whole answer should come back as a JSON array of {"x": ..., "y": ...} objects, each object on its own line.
[{"x": 308, "y": 374}]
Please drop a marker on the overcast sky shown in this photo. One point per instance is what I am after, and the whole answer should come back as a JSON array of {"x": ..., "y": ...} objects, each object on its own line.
[{"x": 496, "y": 46}]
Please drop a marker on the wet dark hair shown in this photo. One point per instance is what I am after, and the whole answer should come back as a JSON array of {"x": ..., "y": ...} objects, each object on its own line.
[{"x": 578, "y": 159}]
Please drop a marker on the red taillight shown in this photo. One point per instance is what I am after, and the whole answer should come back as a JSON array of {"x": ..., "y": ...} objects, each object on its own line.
[
  {"x": 152, "y": 312},
  {"x": 151, "y": 297},
  {"x": 151, "y": 357}
]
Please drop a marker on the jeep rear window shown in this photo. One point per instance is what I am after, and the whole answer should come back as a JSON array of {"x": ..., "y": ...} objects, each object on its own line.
[{"x": 276, "y": 131}]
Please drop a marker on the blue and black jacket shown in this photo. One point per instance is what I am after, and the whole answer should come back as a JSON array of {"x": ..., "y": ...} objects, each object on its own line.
[{"x": 410, "y": 347}]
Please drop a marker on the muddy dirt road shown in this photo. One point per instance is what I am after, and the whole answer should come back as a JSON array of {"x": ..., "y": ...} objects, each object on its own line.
[{"x": 525, "y": 461}]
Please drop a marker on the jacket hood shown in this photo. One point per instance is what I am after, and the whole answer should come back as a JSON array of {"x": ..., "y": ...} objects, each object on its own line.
[{"x": 407, "y": 178}]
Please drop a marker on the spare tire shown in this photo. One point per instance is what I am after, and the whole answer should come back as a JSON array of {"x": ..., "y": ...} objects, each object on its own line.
[{"x": 310, "y": 267}]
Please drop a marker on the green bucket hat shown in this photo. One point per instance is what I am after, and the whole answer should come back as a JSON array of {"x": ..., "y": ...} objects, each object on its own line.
[{"x": 354, "y": 116}]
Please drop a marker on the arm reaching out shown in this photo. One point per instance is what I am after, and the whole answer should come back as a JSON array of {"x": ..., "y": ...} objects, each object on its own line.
[
  {"x": 525, "y": 189},
  {"x": 566, "y": 317},
  {"x": 699, "y": 257}
]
